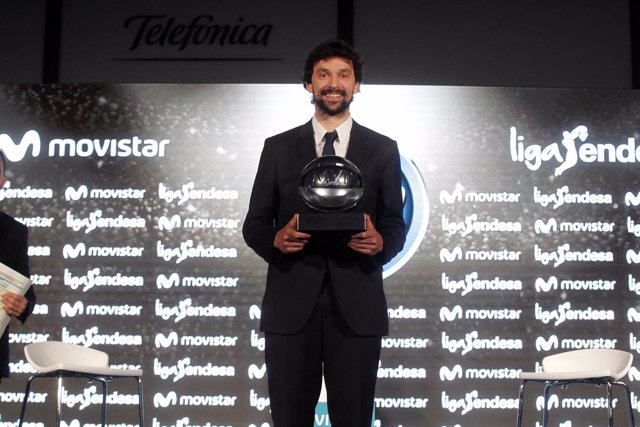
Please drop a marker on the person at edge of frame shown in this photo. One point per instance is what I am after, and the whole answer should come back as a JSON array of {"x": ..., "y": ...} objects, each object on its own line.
[
  {"x": 14, "y": 254},
  {"x": 324, "y": 310}
]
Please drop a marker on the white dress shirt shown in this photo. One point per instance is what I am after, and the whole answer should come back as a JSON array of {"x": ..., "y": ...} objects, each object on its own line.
[{"x": 342, "y": 142}]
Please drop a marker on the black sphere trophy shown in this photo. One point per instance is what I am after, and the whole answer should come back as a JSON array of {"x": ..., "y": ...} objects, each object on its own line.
[{"x": 331, "y": 185}]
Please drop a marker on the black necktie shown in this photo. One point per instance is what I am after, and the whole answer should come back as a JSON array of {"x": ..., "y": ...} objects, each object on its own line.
[{"x": 329, "y": 137}]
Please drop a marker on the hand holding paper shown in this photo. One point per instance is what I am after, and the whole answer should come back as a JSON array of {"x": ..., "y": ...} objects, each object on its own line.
[
  {"x": 14, "y": 304},
  {"x": 13, "y": 286}
]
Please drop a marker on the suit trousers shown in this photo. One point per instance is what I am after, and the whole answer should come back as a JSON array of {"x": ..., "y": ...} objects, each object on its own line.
[{"x": 325, "y": 345}]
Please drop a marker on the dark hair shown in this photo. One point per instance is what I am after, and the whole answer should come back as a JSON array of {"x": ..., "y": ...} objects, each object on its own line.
[
  {"x": 3, "y": 159},
  {"x": 331, "y": 49}
]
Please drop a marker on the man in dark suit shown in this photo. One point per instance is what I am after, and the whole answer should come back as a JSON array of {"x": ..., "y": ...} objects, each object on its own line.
[
  {"x": 324, "y": 309},
  {"x": 13, "y": 253}
]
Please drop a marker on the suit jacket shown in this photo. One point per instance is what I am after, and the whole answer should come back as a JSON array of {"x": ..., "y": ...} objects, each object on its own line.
[
  {"x": 13, "y": 253},
  {"x": 294, "y": 281}
]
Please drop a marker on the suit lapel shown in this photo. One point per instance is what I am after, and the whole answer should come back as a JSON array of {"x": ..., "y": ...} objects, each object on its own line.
[
  {"x": 5, "y": 245},
  {"x": 306, "y": 143},
  {"x": 357, "y": 151}
]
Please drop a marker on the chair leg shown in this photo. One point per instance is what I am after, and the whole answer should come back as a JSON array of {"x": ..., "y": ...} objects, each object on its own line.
[
  {"x": 27, "y": 391},
  {"x": 520, "y": 403},
  {"x": 140, "y": 402},
  {"x": 59, "y": 401},
  {"x": 545, "y": 406},
  {"x": 105, "y": 390},
  {"x": 627, "y": 392},
  {"x": 609, "y": 402}
]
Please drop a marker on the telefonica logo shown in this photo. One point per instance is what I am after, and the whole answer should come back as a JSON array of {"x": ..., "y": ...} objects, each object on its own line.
[
  {"x": 62, "y": 147},
  {"x": 164, "y": 30}
]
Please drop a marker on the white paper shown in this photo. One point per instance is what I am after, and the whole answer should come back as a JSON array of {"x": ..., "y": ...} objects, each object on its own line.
[{"x": 11, "y": 281}]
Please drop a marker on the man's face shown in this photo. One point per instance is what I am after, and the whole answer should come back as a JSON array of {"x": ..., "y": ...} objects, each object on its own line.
[{"x": 332, "y": 86}]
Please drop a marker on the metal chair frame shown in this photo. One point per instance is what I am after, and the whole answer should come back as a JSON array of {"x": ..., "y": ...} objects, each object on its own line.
[
  {"x": 103, "y": 379},
  {"x": 55, "y": 359},
  {"x": 601, "y": 381}
]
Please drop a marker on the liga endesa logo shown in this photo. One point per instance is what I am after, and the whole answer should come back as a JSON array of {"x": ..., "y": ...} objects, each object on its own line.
[
  {"x": 571, "y": 150},
  {"x": 415, "y": 212},
  {"x": 84, "y": 147}
]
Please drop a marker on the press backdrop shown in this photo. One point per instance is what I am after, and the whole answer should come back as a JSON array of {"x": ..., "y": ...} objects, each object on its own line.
[{"x": 522, "y": 241}]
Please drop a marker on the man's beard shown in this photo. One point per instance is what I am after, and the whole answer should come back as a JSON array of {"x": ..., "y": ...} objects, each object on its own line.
[{"x": 336, "y": 111}]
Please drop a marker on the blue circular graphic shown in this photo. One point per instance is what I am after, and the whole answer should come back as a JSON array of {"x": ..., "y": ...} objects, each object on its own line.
[{"x": 415, "y": 212}]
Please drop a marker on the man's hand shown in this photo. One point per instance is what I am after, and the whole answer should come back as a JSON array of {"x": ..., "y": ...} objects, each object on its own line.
[
  {"x": 288, "y": 239},
  {"x": 13, "y": 304},
  {"x": 369, "y": 241}
]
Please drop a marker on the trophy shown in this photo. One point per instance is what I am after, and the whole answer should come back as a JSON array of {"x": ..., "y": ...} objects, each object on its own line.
[{"x": 331, "y": 186}]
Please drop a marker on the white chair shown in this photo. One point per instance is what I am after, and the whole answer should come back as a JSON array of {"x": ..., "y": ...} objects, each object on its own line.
[
  {"x": 591, "y": 366},
  {"x": 57, "y": 359}
]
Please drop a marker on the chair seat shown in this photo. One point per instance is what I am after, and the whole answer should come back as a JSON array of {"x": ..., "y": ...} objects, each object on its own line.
[
  {"x": 92, "y": 370},
  {"x": 600, "y": 367},
  {"x": 562, "y": 376},
  {"x": 59, "y": 359}
]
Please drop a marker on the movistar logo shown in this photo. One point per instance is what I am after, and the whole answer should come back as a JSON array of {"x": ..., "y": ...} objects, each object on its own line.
[
  {"x": 133, "y": 146},
  {"x": 16, "y": 152}
]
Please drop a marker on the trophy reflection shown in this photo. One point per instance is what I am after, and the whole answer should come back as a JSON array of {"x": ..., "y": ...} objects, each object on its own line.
[{"x": 331, "y": 186}]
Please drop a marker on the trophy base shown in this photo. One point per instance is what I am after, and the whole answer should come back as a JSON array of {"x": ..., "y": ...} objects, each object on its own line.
[{"x": 331, "y": 222}]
